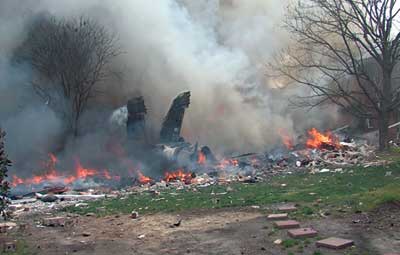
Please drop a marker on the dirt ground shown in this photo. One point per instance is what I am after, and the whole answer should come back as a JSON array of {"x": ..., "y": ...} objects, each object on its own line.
[{"x": 229, "y": 231}]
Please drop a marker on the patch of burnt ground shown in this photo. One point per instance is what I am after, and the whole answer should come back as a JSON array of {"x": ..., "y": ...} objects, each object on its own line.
[
  {"x": 384, "y": 217},
  {"x": 379, "y": 229}
]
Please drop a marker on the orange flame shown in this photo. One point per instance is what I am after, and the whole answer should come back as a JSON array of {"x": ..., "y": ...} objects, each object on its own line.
[
  {"x": 318, "y": 140},
  {"x": 107, "y": 175},
  {"x": 52, "y": 175},
  {"x": 201, "y": 158},
  {"x": 286, "y": 138},
  {"x": 177, "y": 175},
  {"x": 16, "y": 181},
  {"x": 142, "y": 178},
  {"x": 227, "y": 162},
  {"x": 81, "y": 172},
  {"x": 69, "y": 179}
]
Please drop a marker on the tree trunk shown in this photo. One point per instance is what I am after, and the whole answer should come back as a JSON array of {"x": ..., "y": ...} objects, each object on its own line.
[
  {"x": 383, "y": 131},
  {"x": 384, "y": 115}
]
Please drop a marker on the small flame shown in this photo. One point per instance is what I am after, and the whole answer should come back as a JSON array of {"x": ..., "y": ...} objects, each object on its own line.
[
  {"x": 286, "y": 138},
  {"x": 142, "y": 178},
  {"x": 228, "y": 162},
  {"x": 69, "y": 179},
  {"x": 177, "y": 175},
  {"x": 83, "y": 173},
  {"x": 201, "y": 158},
  {"x": 319, "y": 140},
  {"x": 107, "y": 175},
  {"x": 16, "y": 181}
]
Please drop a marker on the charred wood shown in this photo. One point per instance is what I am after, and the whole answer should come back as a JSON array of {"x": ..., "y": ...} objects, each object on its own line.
[
  {"x": 172, "y": 125},
  {"x": 136, "y": 118}
]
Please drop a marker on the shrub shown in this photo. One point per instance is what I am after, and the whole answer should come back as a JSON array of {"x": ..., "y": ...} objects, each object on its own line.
[{"x": 4, "y": 185}]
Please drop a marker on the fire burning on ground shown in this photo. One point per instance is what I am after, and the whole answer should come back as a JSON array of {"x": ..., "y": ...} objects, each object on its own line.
[
  {"x": 52, "y": 175},
  {"x": 82, "y": 173},
  {"x": 144, "y": 179},
  {"x": 322, "y": 141},
  {"x": 223, "y": 164},
  {"x": 287, "y": 140},
  {"x": 315, "y": 140},
  {"x": 178, "y": 175}
]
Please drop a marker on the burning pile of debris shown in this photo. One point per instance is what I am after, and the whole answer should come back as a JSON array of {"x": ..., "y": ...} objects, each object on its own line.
[
  {"x": 196, "y": 166},
  {"x": 319, "y": 153},
  {"x": 322, "y": 150}
]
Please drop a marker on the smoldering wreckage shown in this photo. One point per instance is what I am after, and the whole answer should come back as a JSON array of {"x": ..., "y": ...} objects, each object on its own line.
[{"x": 195, "y": 166}]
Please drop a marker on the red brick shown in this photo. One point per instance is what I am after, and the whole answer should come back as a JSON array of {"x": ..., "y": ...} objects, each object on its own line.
[
  {"x": 335, "y": 243},
  {"x": 287, "y": 224},
  {"x": 278, "y": 216},
  {"x": 302, "y": 232},
  {"x": 287, "y": 208}
]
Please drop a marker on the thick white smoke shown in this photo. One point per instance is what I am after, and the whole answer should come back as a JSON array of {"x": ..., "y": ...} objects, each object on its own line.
[{"x": 217, "y": 49}]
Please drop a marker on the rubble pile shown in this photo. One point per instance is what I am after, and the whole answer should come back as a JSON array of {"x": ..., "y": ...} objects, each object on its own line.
[
  {"x": 248, "y": 168},
  {"x": 345, "y": 155},
  {"x": 195, "y": 166}
]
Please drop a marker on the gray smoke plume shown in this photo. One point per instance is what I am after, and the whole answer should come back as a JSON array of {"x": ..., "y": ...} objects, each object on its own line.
[{"x": 217, "y": 49}]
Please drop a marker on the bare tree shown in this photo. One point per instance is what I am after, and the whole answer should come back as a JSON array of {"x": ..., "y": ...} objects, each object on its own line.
[
  {"x": 70, "y": 57},
  {"x": 337, "y": 43}
]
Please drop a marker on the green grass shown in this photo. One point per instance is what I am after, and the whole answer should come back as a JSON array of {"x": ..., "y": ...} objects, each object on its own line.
[
  {"x": 306, "y": 210},
  {"x": 356, "y": 189},
  {"x": 289, "y": 243},
  {"x": 394, "y": 150}
]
